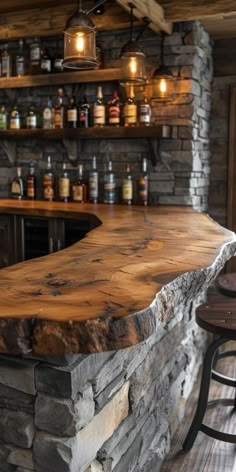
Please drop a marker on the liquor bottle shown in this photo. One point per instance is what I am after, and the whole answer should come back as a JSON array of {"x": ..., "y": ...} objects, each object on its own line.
[
  {"x": 114, "y": 110},
  {"x": 143, "y": 185},
  {"x": 35, "y": 57},
  {"x": 59, "y": 110},
  {"x": 64, "y": 184},
  {"x": 48, "y": 182},
  {"x": 79, "y": 188},
  {"x": 109, "y": 185},
  {"x": 72, "y": 114},
  {"x": 31, "y": 119},
  {"x": 130, "y": 109},
  {"x": 20, "y": 60},
  {"x": 145, "y": 111},
  {"x": 93, "y": 182},
  {"x": 99, "y": 110},
  {"x": 127, "y": 186},
  {"x": 46, "y": 62},
  {"x": 6, "y": 62},
  {"x": 48, "y": 115},
  {"x": 31, "y": 183},
  {"x": 15, "y": 122},
  {"x": 84, "y": 114},
  {"x": 17, "y": 186},
  {"x": 3, "y": 117},
  {"x": 58, "y": 63}
]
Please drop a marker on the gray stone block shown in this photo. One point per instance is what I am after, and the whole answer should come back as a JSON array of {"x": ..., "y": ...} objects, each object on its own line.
[
  {"x": 18, "y": 374},
  {"x": 16, "y": 428},
  {"x": 13, "y": 399},
  {"x": 21, "y": 457}
]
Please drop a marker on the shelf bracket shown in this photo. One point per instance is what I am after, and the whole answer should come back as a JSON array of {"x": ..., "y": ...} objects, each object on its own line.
[
  {"x": 9, "y": 147},
  {"x": 73, "y": 147}
]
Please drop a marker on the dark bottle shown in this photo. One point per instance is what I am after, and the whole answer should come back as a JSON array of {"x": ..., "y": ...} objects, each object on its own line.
[
  {"x": 145, "y": 111},
  {"x": 17, "y": 186},
  {"x": 15, "y": 122},
  {"x": 99, "y": 56},
  {"x": 3, "y": 117},
  {"x": 35, "y": 57},
  {"x": 31, "y": 183},
  {"x": 59, "y": 110},
  {"x": 64, "y": 184},
  {"x": 72, "y": 114},
  {"x": 130, "y": 109},
  {"x": 48, "y": 182},
  {"x": 109, "y": 185},
  {"x": 143, "y": 185},
  {"x": 84, "y": 114},
  {"x": 31, "y": 119},
  {"x": 99, "y": 110},
  {"x": 127, "y": 187},
  {"x": 20, "y": 60},
  {"x": 46, "y": 62},
  {"x": 93, "y": 182},
  {"x": 114, "y": 110},
  {"x": 6, "y": 61},
  {"x": 79, "y": 188}
]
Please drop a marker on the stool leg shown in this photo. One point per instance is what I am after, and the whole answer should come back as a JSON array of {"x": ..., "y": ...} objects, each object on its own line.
[{"x": 203, "y": 395}]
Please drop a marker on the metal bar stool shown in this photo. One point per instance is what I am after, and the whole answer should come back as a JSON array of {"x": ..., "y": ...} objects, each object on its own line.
[{"x": 218, "y": 316}]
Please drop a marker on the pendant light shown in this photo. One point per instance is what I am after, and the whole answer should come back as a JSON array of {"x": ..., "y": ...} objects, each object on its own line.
[
  {"x": 133, "y": 68},
  {"x": 80, "y": 41},
  {"x": 163, "y": 80}
]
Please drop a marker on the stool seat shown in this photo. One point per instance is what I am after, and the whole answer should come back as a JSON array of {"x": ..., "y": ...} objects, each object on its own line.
[
  {"x": 218, "y": 315},
  {"x": 226, "y": 283}
]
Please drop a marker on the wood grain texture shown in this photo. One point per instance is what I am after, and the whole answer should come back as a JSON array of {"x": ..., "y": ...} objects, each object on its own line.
[
  {"x": 110, "y": 290},
  {"x": 218, "y": 315},
  {"x": 231, "y": 200},
  {"x": 148, "y": 9}
]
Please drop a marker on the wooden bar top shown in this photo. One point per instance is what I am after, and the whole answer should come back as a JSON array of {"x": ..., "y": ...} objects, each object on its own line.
[{"x": 111, "y": 289}]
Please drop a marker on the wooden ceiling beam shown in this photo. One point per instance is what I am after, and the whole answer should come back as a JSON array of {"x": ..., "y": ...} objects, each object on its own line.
[
  {"x": 184, "y": 10},
  {"x": 149, "y": 9}
]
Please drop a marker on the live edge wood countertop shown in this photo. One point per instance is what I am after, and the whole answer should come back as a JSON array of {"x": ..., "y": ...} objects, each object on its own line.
[{"x": 112, "y": 289}]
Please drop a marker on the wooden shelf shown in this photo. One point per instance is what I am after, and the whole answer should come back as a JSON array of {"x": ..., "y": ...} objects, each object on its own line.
[
  {"x": 106, "y": 132},
  {"x": 85, "y": 76}
]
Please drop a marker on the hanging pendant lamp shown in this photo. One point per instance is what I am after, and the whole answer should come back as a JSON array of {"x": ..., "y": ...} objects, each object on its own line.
[
  {"x": 133, "y": 67},
  {"x": 162, "y": 80},
  {"x": 80, "y": 41}
]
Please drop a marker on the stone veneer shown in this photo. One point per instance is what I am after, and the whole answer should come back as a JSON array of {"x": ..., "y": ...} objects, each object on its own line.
[{"x": 181, "y": 174}]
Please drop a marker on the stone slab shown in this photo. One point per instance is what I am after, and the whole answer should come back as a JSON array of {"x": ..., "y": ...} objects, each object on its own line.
[{"x": 18, "y": 374}]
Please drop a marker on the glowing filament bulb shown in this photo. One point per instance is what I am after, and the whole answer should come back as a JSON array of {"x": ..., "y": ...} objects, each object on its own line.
[
  {"x": 80, "y": 42},
  {"x": 163, "y": 87},
  {"x": 133, "y": 65}
]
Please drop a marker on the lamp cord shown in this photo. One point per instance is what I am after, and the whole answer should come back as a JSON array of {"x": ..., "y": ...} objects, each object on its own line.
[
  {"x": 80, "y": 5},
  {"x": 131, "y": 22},
  {"x": 162, "y": 48}
]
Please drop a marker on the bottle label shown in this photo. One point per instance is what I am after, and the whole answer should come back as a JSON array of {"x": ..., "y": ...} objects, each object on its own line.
[
  {"x": 114, "y": 115},
  {"x": 93, "y": 185},
  {"x": 47, "y": 118},
  {"x": 30, "y": 187},
  {"x": 64, "y": 187},
  {"x": 35, "y": 52},
  {"x": 20, "y": 68},
  {"x": 130, "y": 114},
  {"x": 6, "y": 66},
  {"x": 58, "y": 119},
  {"x": 15, "y": 122},
  {"x": 46, "y": 65},
  {"x": 144, "y": 113},
  {"x": 109, "y": 189},
  {"x": 72, "y": 115},
  {"x": 57, "y": 64},
  {"x": 127, "y": 190},
  {"x": 143, "y": 189},
  {"x": 3, "y": 121},
  {"x": 99, "y": 115},
  {"x": 15, "y": 188},
  {"x": 31, "y": 122},
  {"x": 48, "y": 190},
  {"x": 78, "y": 193}
]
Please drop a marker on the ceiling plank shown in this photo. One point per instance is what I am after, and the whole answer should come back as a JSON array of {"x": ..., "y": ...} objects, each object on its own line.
[
  {"x": 51, "y": 21},
  {"x": 150, "y": 9},
  {"x": 184, "y": 10}
]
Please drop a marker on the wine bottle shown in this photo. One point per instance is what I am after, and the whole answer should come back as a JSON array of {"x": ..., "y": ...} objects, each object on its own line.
[
  {"x": 109, "y": 185},
  {"x": 127, "y": 187},
  {"x": 84, "y": 114},
  {"x": 72, "y": 114},
  {"x": 144, "y": 111},
  {"x": 64, "y": 184},
  {"x": 79, "y": 188},
  {"x": 143, "y": 185},
  {"x": 114, "y": 110},
  {"x": 20, "y": 60},
  {"x": 99, "y": 110},
  {"x": 31, "y": 183}
]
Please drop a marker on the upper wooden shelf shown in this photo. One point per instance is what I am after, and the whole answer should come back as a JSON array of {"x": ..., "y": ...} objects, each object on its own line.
[
  {"x": 99, "y": 75},
  {"x": 106, "y": 132}
]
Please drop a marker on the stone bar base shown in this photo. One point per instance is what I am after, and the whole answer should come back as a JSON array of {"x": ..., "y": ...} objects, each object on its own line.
[{"x": 102, "y": 412}]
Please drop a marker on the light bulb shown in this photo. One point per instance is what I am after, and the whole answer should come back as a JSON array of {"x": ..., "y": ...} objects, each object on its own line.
[
  {"x": 80, "y": 42},
  {"x": 133, "y": 65},
  {"x": 163, "y": 87}
]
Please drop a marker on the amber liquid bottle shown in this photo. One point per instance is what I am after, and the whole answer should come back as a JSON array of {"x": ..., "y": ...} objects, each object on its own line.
[
  {"x": 59, "y": 110},
  {"x": 48, "y": 182},
  {"x": 99, "y": 110},
  {"x": 64, "y": 184},
  {"x": 79, "y": 188},
  {"x": 130, "y": 109},
  {"x": 143, "y": 185},
  {"x": 127, "y": 187},
  {"x": 31, "y": 183}
]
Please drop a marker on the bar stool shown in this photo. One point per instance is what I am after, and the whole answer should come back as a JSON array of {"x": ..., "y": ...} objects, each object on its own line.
[{"x": 218, "y": 316}]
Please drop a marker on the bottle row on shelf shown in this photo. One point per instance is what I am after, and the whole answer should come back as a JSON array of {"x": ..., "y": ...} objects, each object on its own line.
[
  {"x": 83, "y": 115},
  {"x": 33, "y": 58},
  {"x": 83, "y": 190}
]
